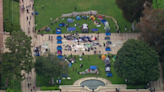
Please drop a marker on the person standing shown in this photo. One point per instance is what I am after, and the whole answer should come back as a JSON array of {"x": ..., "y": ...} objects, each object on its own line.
[
  {"x": 29, "y": 22},
  {"x": 27, "y": 17},
  {"x": 104, "y": 44},
  {"x": 73, "y": 68},
  {"x": 75, "y": 8}
]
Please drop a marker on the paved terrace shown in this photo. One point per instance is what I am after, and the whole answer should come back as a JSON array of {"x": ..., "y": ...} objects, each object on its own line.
[{"x": 116, "y": 40}]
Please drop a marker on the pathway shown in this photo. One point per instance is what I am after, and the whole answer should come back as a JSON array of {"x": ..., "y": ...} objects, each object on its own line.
[{"x": 25, "y": 26}]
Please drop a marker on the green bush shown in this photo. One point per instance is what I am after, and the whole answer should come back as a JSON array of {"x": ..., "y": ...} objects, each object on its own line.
[
  {"x": 49, "y": 88},
  {"x": 16, "y": 0},
  {"x": 10, "y": 90}
]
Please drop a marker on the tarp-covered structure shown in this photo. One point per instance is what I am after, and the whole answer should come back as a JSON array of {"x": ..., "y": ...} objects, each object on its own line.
[
  {"x": 93, "y": 67},
  {"x": 70, "y": 20}
]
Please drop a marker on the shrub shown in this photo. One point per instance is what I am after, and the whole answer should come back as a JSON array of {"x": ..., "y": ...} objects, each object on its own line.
[{"x": 49, "y": 88}]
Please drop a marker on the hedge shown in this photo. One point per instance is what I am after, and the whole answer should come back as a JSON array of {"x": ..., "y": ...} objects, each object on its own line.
[
  {"x": 49, "y": 88},
  {"x": 9, "y": 90}
]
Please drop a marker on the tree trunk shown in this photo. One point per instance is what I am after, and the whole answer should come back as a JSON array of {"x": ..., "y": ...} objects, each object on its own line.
[
  {"x": 133, "y": 26},
  {"x": 52, "y": 80}
]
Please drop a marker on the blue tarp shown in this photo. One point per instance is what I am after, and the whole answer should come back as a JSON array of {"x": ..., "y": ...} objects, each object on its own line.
[
  {"x": 70, "y": 65},
  {"x": 59, "y": 38},
  {"x": 64, "y": 75},
  {"x": 93, "y": 67},
  {"x": 108, "y": 33},
  {"x": 94, "y": 29},
  {"x": 78, "y": 18},
  {"x": 107, "y": 49},
  {"x": 60, "y": 56},
  {"x": 58, "y": 30},
  {"x": 59, "y": 42},
  {"x": 103, "y": 20},
  {"x": 59, "y": 48},
  {"x": 36, "y": 13},
  {"x": 109, "y": 74},
  {"x": 84, "y": 17},
  {"x": 71, "y": 28}
]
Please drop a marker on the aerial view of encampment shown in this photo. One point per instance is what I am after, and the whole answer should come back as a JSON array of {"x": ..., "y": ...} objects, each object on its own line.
[{"x": 81, "y": 45}]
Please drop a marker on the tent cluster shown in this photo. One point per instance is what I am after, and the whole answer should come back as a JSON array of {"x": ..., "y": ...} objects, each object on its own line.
[
  {"x": 107, "y": 65},
  {"x": 92, "y": 69}
]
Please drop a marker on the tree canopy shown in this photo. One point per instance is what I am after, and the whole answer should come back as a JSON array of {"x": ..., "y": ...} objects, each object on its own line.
[
  {"x": 132, "y": 9},
  {"x": 137, "y": 62},
  {"x": 49, "y": 65},
  {"x": 151, "y": 28},
  {"x": 19, "y": 56}
]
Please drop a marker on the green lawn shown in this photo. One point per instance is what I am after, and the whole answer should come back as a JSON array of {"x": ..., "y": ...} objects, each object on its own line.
[
  {"x": 158, "y": 4},
  {"x": 15, "y": 12},
  {"x": 11, "y": 11},
  {"x": 82, "y": 21},
  {"x": 55, "y": 8},
  {"x": 93, "y": 60}
]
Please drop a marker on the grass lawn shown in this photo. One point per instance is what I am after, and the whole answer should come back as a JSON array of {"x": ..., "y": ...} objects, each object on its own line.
[
  {"x": 158, "y": 4},
  {"x": 55, "y": 8},
  {"x": 15, "y": 12},
  {"x": 11, "y": 11},
  {"x": 93, "y": 60},
  {"x": 82, "y": 21}
]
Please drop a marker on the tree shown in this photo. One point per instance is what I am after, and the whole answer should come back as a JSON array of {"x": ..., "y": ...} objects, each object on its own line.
[
  {"x": 19, "y": 56},
  {"x": 132, "y": 9},
  {"x": 137, "y": 62},
  {"x": 151, "y": 28},
  {"x": 49, "y": 65}
]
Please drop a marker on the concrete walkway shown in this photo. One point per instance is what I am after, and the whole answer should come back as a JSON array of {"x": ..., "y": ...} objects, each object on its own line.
[{"x": 25, "y": 26}]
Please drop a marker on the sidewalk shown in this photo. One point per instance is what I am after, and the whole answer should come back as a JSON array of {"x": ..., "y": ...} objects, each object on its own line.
[{"x": 24, "y": 23}]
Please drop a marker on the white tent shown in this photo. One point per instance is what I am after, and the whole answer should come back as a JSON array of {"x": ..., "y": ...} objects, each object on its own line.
[{"x": 107, "y": 69}]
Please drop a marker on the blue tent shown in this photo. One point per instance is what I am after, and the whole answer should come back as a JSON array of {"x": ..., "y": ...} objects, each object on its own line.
[
  {"x": 59, "y": 42},
  {"x": 59, "y": 48},
  {"x": 108, "y": 33},
  {"x": 93, "y": 67},
  {"x": 60, "y": 56},
  {"x": 69, "y": 20},
  {"x": 78, "y": 18},
  {"x": 59, "y": 38},
  {"x": 107, "y": 49},
  {"x": 103, "y": 21},
  {"x": 58, "y": 30},
  {"x": 62, "y": 24},
  {"x": 109, "y": 74}
]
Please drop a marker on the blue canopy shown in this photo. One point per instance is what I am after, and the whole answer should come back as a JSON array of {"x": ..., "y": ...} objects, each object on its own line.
[
  {"x": 59, "y": 48},
  {"x": 58, "y": 30},
  {"x": 94, "y": 29},
  {"x": 71, "y": 28},
  {"x": 59, "y": 42},
  {"x": 108, "y": 49},
  {"x": 93, "y": 67},
  {"x": 60, "y": 56},
  {"x": 59, "y": 38}
]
